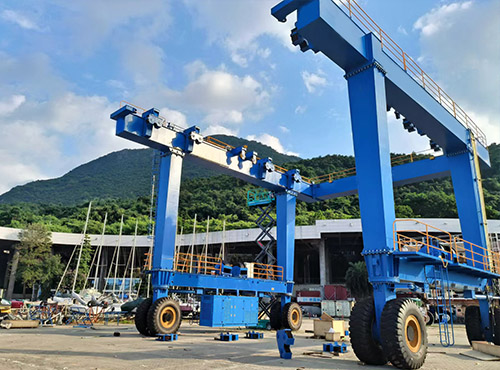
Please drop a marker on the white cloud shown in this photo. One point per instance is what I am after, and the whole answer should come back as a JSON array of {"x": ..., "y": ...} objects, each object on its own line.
[
  {"x": 22, "y": 158},
  {"x": 239, "y": 59},
  {"x": 50, "y": 138},
  {"x": 458, "y": 40},
  {"x": 284, "y": 129},
  {"x": 224, "y": 116},
  {"x": 441, "y": 18},
  {"x": 30, "y": 75},
  {"x": 239, "y": 33},
  {"x": 271, "y": 141},
  {"x": 313, "y": 81},
  {"x": 62, "y": 126},
  {"x": 79, "y": 28},
  {"x": 218, "y": 130},
  {"x": 116, "y": 84},
  {"x": 264, "y": 53},
  {"x": 221, "y": 97},
  {"x": 402, "y": 141},
  {"x": 15, "y": 173},
  {"x": 145, "y": 63},
  {"x": 402, "y": 30},
  {"x": 11, "y": 104},
  {"x": 91, "y": 24},
  {"x": 19, "y": 19},
  {"x": 174, "y": 116},
  {"x": 300, "y": 109}
]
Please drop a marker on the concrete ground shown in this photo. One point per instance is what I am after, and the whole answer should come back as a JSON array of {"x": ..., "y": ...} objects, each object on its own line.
[{"x": 78, "y": 348}]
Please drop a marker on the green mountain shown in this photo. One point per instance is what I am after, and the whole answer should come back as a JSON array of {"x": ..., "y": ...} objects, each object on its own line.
[
  {"x": 119, "y": 184},
  {"x": 125, "y": 174}
]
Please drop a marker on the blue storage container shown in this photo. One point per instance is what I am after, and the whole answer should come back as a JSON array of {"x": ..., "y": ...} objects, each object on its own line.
[{"x": 223, "y": 311}]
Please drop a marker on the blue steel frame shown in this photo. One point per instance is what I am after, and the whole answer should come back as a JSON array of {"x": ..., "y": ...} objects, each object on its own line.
[
  {"x": 375, "y": 83},
  {"x": 163, "y": 275},
  {"x": 164, "y": 278}
]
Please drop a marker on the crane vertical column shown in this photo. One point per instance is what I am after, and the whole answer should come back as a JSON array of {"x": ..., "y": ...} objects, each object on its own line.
[
  {"x": 466, "y": 178},
  {"x": 468, "y": 195},
  {"x": 169, "y": 186},
  {"x": 367, "y": 102},
  {"x": 285, "y": 232}
]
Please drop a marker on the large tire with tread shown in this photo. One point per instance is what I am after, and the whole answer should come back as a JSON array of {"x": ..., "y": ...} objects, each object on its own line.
[
  {"x": 473, "y": 325},
  {"x": 361, "y": 323},
  {"x": 164, "y": 316},
  {"x": 404, "y": 334},
  {"x": 496, "y": 328},
  {"x": 141, "y": 317},
  {"x": 292, "y": 316},
  {"x": 429, "y": 318},
  {"x": 275, "y": 318}
]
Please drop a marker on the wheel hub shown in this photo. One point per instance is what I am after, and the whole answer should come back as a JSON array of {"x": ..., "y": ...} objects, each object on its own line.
[
  {"x": 295, "y": 317},
  {"x": 167, "y": 317},
  {"x": 413, "y": 333}
]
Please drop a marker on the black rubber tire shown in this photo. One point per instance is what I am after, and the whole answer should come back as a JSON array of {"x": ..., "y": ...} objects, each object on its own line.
[
  {"x": 292, "y": 316},
  {"x": 164, "y": 309},
  {"x": 141, "y": 317},
  {"x": 394, "y": 334},
  {"x": 429, "y": 319},
  {"x": 275, "y": 319},
  {"x": 496, "y": 328},
  {"x": 366, "y": 348},
  {"x": 473, "y": 325}
]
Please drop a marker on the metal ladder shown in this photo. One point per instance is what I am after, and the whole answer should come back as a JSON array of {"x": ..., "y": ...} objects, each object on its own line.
[{"x": 443, "y": 305}]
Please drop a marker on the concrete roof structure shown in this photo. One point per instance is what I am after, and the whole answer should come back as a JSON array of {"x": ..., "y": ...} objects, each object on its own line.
[{"x": 310, "y": 232}]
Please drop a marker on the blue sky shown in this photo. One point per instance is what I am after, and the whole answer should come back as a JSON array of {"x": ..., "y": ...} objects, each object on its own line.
[{"x": 225, "y": 65}]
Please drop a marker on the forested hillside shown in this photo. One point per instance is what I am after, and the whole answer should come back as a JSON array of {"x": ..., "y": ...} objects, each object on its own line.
[{"x": 223, "y": 197}]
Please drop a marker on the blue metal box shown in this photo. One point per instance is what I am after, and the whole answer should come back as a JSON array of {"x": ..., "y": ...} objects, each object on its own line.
[{"x": 221, "y": 310}]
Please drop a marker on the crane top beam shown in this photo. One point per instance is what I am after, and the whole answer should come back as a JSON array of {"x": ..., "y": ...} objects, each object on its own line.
[
  {"x": 151, "y": 130},
  {"x": 345, "y": 33}
]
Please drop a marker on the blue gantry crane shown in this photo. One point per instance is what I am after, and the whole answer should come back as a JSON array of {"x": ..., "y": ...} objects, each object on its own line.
[
  {"x": 402, "y": 256},
  {"x": 229, "y": 294}
]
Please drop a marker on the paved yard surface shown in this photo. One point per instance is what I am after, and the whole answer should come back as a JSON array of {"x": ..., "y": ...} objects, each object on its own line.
[{"x": 77, "y": 348}]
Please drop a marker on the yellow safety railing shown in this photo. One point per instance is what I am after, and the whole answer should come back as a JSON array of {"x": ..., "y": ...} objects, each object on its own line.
[
  {"x": 478, "y": 259},
  {"x": 197, "y": 264},
  {"x": 448, "y": 247},
  {"x": 268, "y": 272},
  {"x": 207, "y": 265},
  {"x": 367, "y": 24},
  {"x": 220, "y": 144},
  {"x": 147, "y": 261},
  {"x": 329, "y": 177},
  {"x": 142, "y": 110},
  {"x": 395, "y": 161}
]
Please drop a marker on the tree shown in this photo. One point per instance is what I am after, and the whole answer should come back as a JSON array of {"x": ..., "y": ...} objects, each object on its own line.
[
  {"x": 356, "y": 278},
  {"x": 13, "y": 272},
  {"x": 37, "y": 265}
]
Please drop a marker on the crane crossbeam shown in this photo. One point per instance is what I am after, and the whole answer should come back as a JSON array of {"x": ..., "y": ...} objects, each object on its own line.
[
  {"x": 156, "y": 133},
  {"x": 338, "y": 30},
  {"x": 149, "y": 129}
]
